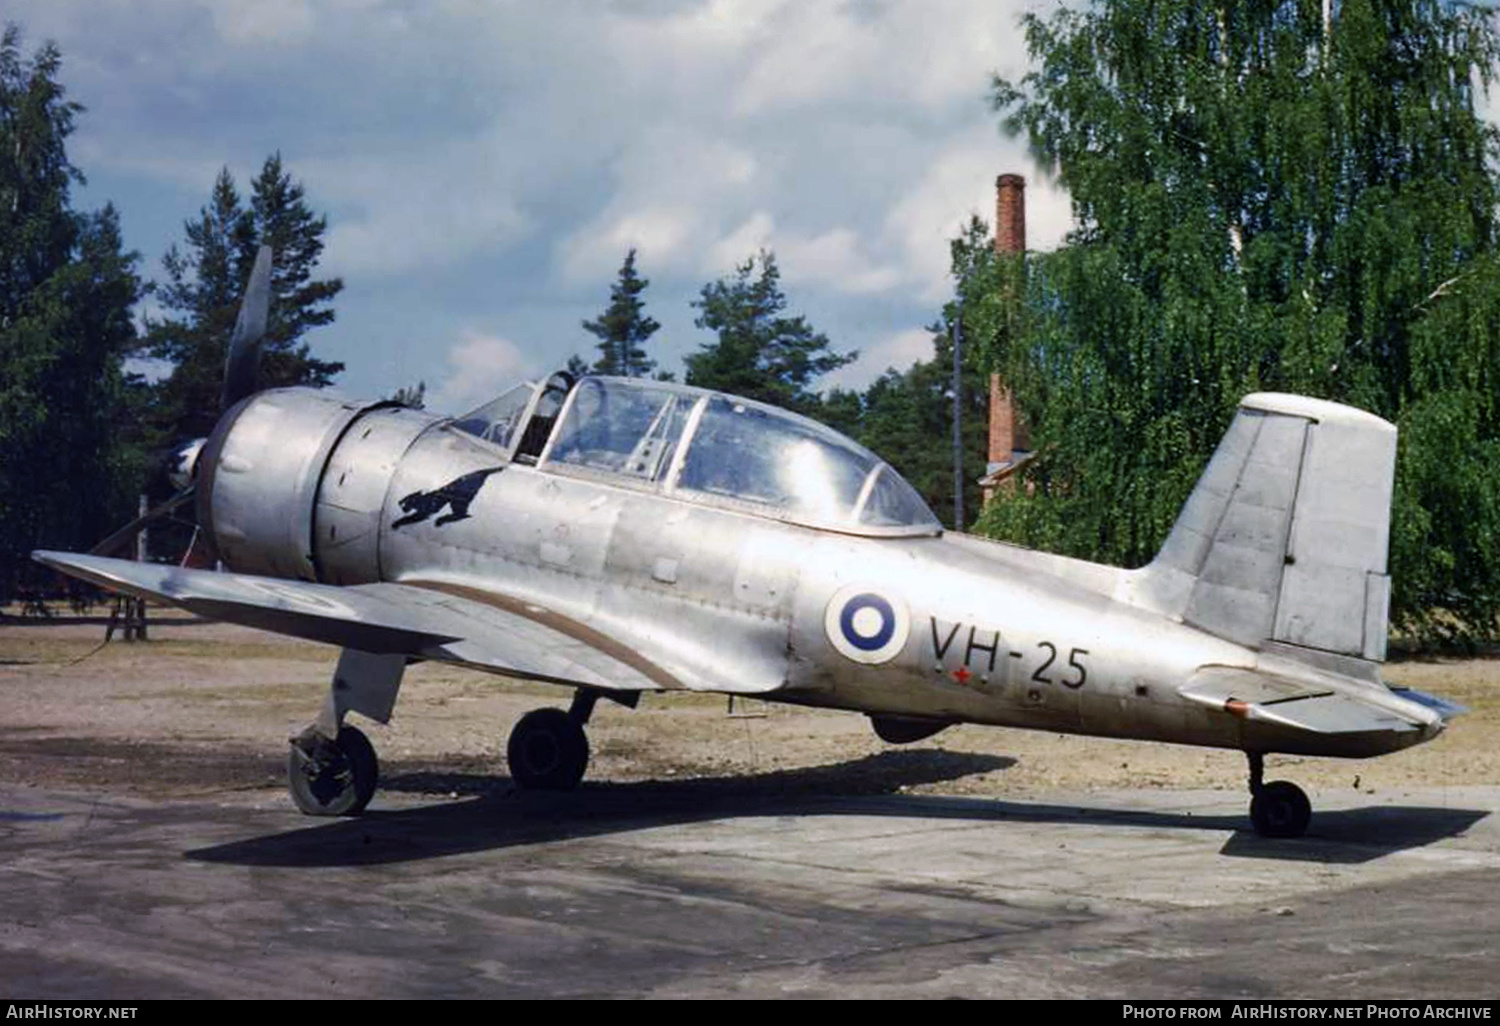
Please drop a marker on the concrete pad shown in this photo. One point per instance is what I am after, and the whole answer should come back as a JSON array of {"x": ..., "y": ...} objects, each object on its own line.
[{"x": 679, "y": 889}]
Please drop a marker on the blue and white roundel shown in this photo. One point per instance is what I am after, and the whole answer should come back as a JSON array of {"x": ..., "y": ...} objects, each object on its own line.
[{"x": 864, "y": 625}]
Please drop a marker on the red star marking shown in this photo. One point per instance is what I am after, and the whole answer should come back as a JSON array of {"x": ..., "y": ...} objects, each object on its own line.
[{"x": 962, "y": 675}]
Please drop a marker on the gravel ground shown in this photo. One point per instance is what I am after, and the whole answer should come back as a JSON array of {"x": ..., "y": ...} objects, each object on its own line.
[{"x": 204, "y": 708}]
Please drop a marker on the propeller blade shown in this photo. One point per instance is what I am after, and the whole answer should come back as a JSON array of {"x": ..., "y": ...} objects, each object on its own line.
[
  {"x": 125, "y": 535},
  {"x": 241, "y": 368}
]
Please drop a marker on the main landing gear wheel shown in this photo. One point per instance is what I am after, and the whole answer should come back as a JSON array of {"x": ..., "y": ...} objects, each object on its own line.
[
  {"x": 1277, "y": 809},
  {"x": 332, "y": 778},
  {"x": 548, "y": 751}
]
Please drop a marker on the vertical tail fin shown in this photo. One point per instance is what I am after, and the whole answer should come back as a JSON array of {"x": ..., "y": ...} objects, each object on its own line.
[{"x": 1284, "y": 537}]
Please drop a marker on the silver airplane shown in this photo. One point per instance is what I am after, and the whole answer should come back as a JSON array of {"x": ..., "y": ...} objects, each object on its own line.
[{"x": 620, "y": 536}]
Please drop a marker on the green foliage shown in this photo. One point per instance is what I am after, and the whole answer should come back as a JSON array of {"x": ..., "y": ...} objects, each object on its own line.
[
  {"x": 1263, "y": 202},
  {"x": 203, "y": 289},
  {"x": 759, "y": 353},
  {"x": 622, "y": 329},
  {"x": 66, "y": 290}
]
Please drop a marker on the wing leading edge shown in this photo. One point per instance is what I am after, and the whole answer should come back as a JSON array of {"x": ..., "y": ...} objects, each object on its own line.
[{"x": 383, "y": 619}]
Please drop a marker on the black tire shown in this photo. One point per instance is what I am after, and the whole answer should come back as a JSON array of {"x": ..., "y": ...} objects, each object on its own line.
[
  {"x": 336, "y": 778},
  {"x": 548, "y": 751},
  {"x": 1281, "y": 809}
]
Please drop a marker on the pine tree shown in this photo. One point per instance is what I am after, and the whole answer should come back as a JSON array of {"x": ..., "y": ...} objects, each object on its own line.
[
  {"x": 66, "y": 292},
  {"x": 413, "y": 397},
  {"x": 759, "y": 354},
  {"x": 622, "y": 329},
  {"x": 1268, "y": 197},
  {"x": 283, "y": 221},
  {"x": 204, "y": 287}
]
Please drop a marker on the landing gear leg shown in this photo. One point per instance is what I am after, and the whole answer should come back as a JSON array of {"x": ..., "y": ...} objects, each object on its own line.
[
  {"x": 331, "y": 767},
  {"x": 1277, "y": 809}
]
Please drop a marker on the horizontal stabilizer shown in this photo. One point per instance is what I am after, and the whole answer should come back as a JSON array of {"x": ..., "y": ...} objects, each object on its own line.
[
  {"x": 378, "y": 618},
  {"x": 1444, "y": 708},
  {"x": 1298, "y": 705}
]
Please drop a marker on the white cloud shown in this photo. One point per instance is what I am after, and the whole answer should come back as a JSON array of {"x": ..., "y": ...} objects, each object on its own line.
[
  {"x": 480, "y": 368},
  {"x": 926, "y": 54},
  {"x": 263, "y": 21},
  {"x": 672, "y": 187},
  {"x": 959, "y": 184},
  {"x": 945, "y": 50},
  {"x": 479, "y": 159},
  {"x": 898, "y": 350},
  {"x": 424, "y": 210},
  {"x": 744, "y": 241},
  {"x": 836, "y": 259},
  {"x": 1049, "y": 213},
  {"x": 814, "y": 55}
]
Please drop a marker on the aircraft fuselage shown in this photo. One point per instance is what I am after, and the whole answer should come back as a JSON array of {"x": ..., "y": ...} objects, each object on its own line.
[{"x": 934, "y": 628}]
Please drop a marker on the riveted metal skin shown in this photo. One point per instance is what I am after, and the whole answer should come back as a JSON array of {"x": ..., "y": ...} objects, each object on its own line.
[
  {"x": 263, "y": 467},
  {"x": 995, "y": 634},
  {"x": 708, "y": 591},
  {"x": 994, "y": 642},
  {"x": 353, "y": 492},
  {"x": 705, "y": 596}
]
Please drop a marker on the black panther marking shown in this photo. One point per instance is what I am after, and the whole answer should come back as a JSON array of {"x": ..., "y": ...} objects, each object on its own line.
[{"x": 458, "y": 493}]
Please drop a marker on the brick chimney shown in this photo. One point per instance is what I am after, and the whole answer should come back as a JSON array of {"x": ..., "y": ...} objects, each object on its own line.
[
  {"x": 1006, "y": 435},
  {"x": 1010, "y": 214}
]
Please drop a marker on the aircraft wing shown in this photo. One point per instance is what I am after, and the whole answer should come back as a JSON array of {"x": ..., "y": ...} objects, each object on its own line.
[
  {"x": 382, "y": 618},
  {"x": 1285, "y": 702}
]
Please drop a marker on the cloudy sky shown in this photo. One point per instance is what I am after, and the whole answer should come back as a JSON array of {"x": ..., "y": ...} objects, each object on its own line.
[{"x": 485, "y": 164}]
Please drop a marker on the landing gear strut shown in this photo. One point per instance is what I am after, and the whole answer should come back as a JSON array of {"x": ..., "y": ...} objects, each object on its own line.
[
  {"x": 1277, "y": 809},
  {"x": 331, "y": 768}
]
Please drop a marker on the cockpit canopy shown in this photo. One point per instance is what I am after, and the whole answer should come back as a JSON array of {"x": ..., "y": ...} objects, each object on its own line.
[{"x": 704, "y": 447}]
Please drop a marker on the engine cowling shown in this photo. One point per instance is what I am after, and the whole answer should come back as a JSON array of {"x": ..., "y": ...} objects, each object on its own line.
[{"x": 262, "y": 470}]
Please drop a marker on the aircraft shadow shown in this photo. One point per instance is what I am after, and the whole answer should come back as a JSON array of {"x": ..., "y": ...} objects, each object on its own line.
[
  {"x": 498, "y": 816},
  {"x": 1349, "y": 836},
  {"x": 884, "y": 772}
]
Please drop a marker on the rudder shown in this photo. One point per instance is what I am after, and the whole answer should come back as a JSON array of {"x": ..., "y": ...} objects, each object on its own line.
[{"x": 1284, "y": 537}]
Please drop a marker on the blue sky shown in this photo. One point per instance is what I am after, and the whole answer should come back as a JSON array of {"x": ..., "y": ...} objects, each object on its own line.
[{"x": 485, "y": 164}]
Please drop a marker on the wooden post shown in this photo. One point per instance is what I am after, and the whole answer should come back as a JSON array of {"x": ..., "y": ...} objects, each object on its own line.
[{"x": 129, "y": 613}]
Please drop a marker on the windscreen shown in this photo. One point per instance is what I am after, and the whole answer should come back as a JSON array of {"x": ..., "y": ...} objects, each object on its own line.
[{"x": 498, "y": 420}]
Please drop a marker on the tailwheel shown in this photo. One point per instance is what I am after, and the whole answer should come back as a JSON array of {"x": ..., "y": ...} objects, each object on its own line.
[
  {"x": 332, "y": 778},
  {"x": 548, "y": 751},
  {"x": 1278, "y": 809}
]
